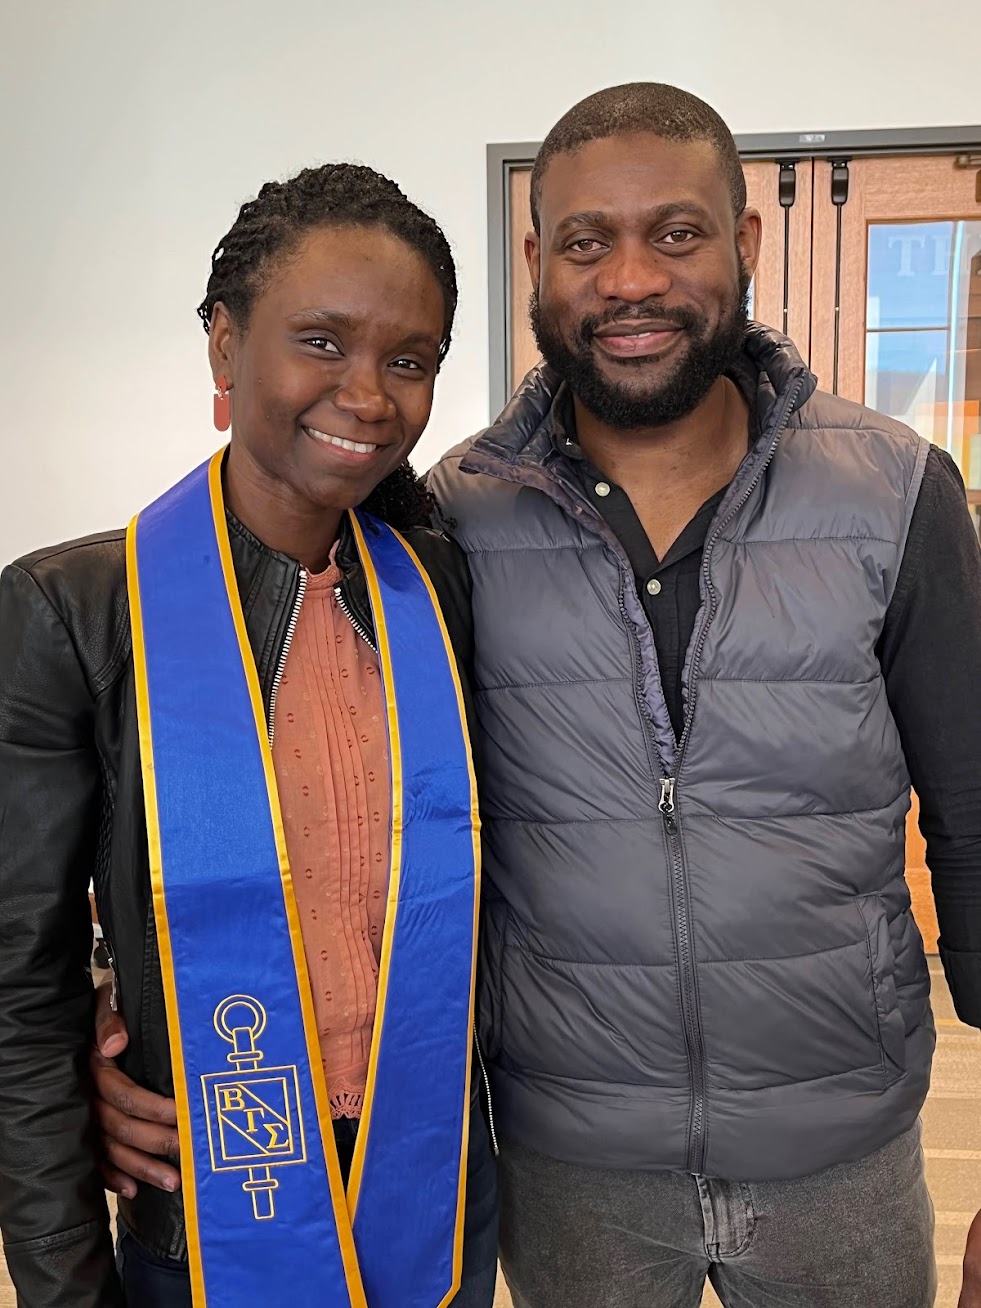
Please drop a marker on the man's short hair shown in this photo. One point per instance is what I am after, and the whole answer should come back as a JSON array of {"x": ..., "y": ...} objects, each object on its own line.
[{"x": 664, "y": 111}]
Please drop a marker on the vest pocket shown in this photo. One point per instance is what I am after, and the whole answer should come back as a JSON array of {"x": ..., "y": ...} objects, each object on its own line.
[{"x": 891, "y": 1027}]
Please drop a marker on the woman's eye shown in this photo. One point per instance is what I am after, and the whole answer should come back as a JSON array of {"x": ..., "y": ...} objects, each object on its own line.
[
  {"x": 409, "y": 365},
  {"x": 323, "y": 343}
]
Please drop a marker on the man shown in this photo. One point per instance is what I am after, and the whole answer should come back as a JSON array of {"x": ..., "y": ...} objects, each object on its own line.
[{"x": 722, "y": 620}]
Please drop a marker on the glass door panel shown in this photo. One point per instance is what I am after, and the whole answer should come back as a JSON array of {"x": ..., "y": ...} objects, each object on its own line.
[
  {"x": 899, "y": 327},
  {"x": 923, "y": 334}
]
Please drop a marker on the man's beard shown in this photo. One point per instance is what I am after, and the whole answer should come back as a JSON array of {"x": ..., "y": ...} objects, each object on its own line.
[{"x": 676, "y": 392}]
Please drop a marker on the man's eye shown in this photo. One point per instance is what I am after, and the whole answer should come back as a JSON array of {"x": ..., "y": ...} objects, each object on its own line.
[
  {"x": 410, "y": 365},
  {"x": 586, "y": 245},
  {"x": 680, "y": 237},
  {"x": 323, "y": 343}
]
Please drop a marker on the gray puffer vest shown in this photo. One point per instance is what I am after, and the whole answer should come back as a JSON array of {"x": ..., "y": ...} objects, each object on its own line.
[{"x": 697, "y": 955}]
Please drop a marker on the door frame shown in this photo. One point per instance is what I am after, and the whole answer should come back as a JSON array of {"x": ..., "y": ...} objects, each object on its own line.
[{"x": 502, "y": 160}]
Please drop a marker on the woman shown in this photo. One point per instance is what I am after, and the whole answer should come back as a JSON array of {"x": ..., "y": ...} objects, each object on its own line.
[{"x": 265, "y": 902}]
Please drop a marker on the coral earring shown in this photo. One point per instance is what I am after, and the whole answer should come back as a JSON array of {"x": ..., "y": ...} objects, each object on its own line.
[{"x": 223, "y": 405}]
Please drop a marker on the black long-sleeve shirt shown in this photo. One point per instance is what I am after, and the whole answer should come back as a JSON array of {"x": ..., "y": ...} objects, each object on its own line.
[{"x": 930, "y": 655}]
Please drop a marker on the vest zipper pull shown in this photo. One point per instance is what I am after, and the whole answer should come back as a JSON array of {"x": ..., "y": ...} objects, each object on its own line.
[{"x": 666, "y": 805}]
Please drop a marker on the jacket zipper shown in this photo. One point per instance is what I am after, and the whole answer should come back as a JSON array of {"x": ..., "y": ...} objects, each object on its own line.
[
  {"x": 487, "y": 1091},
  {"x": 106, "y": 933},
  {"x": 683, "y": 932},
  {"x": 345, "y": 608},
  {"x": 113, "y": 985},
  {"x": 683, "y": 929},
  {"x": 301, "y": 590},
  {"x": 691, "y": 1017},
  {"x": 668, "y": 810}
]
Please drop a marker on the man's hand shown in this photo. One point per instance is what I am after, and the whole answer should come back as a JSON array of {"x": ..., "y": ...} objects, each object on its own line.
[
  {"x": 971, "y": 1289},
  {"x": 134, "y": 1123}
]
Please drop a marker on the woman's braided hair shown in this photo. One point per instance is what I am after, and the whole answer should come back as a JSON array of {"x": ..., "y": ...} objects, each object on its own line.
[{"x": 274, "y": 223}]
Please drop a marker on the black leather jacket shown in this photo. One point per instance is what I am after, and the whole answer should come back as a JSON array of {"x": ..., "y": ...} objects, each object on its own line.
[{"x": 71, "y": 810}]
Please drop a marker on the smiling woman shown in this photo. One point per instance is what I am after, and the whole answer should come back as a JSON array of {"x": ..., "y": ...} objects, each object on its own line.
[
  {"x": 259, "y": 699},
  {"x": 330, "y": 304}
]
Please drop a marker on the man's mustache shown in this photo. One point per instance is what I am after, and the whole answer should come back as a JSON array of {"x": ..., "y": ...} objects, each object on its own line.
[{"x": 655, "y": 314}]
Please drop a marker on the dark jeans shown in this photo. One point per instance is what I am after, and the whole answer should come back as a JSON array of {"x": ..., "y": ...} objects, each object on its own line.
[
  {"x": 152, "y": 1282},
  {"x": 859, "y": 1235}
]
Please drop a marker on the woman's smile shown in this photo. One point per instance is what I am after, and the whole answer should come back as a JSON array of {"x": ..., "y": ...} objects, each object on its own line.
[{"x": 355, "y": 451}]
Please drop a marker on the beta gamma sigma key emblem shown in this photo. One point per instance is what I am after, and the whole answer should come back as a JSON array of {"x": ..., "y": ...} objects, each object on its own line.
[{"x": 254, "y": 1119}]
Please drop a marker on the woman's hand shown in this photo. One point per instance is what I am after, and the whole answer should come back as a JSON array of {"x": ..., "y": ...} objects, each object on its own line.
[{"x": 134, "y": 1124}]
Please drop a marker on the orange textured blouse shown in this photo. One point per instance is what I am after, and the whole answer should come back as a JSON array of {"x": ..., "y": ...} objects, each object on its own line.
[{"x": 330, "y": 753}]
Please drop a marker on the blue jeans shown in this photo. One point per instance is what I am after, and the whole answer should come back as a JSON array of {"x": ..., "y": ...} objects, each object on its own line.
[{"x": 152, "y": 1282}]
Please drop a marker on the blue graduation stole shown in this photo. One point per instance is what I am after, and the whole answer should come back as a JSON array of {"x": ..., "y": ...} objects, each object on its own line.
[{"x": 268, "y": 1219}]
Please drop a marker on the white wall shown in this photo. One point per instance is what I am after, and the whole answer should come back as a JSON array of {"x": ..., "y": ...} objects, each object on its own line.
[{"x": 132, "y": 130}]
